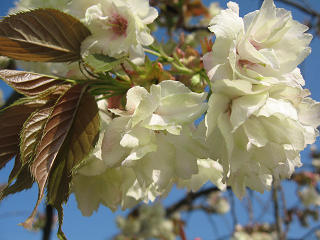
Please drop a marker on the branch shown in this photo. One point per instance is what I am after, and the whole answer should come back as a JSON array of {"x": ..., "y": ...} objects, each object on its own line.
[
  {"x": 188, "y": 200},
  {"x": 194, "y": 28},
  {"x": 49, "y": 222},
  {"x": 302, "y": 8},
  {"x": 285, "y": 210},
  {"x": 277, "y": 213},
  {"x": 233, "y": 212}
]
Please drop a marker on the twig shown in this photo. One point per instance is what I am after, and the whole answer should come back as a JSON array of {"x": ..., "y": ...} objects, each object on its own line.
[
  {"x": 264, "y": 208},
  {"x": 301, "y": 8},
  {"x": 186, "y": 201},
  {"x": 49, "y": 222},
  {"x": 194, "y": 28},
  {"x": 250, "y": 207},
  {"x": 277, "y": 214},
  {"x": 285, "y": 211},
  {"x": 233, "y": 212}
]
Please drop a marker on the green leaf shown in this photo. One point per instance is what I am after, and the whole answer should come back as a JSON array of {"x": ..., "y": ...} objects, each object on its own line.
[
  {"x": 42, "y": 35},
  {"x": 102, "y": 63},
  {"x": 27, "y": 83}
]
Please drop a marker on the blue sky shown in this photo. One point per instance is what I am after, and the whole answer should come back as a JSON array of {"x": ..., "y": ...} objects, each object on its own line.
[{"x": 101, "y": 225}]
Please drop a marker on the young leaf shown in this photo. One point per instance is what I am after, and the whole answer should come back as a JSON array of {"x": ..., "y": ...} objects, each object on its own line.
[
  {"x": 11, "y": 122},
  {"x": 54, "y": 135},
  {"x": 102, "y": 63},
  {"x": 27, "y": 83},
  {"x": 79, "y": 143},
  {"x": 31, "y": 133},
  {"x": 42, "y": 35}
]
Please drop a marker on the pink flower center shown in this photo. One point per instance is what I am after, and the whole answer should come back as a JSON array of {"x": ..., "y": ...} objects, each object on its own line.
[
  {"x": 246, "y": 64},
  {"x": 255, "y": 44},
  {"x": 118, "y": 25}
]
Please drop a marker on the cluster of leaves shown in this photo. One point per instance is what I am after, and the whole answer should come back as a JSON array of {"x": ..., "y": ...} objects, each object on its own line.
[{"x": 56, "y": 125}]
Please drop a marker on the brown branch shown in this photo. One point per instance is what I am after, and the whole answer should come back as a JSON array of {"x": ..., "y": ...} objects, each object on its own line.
[
  {"x": 233, "y": 211},
  {"x": 285, "y": 211},
  {"x": 188, "y": 200},
  {"x": 49, "y": 222},
  {"x": 302, "y": 8},
  {"x": 194, "y": 28},
  {"x": 250, "y": 207},
  {"x": 277, "y": 214}
]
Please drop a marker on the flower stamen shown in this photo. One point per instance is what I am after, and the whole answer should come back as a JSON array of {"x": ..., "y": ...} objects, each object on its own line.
[{"x": 118, "y": 25}]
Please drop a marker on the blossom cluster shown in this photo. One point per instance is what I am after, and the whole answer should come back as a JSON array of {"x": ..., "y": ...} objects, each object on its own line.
[
  {"x": 149, "y": 223},
  {"x": 257, "y": 115}
]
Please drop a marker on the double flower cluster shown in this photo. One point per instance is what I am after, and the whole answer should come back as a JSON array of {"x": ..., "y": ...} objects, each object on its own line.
[{"x": 258, "y": 117}]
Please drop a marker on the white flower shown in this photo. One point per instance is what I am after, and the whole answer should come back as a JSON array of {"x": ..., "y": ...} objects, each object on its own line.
[
  {"x": 258, "y": 131},
  {"x": 309, "y": 196},
  {"x": 150, "y": 223},
  {"x": 218, "y": 203},
  {"x": 119, "y": 27},
  {"x": 113, "y": 188},
  {"x": 265, "y": 46},
  {"x": 209, "y": 170},
  {"x": 96, "y": 184},
  {"x": 153, "y": 134}
]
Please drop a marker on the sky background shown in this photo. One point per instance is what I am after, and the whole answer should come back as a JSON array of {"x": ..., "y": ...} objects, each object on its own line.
[{"x": 101, "y": 225}]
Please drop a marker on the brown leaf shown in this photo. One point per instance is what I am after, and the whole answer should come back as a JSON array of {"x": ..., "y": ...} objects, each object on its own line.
[
  {"x": 54, "y": 135},
  {"x": 42, "y": 35},
  {"x": 81, "y": 139},
  {"x": 27, "y": 83},
  {"x": 31, "y": 133},
  {"x": 11, "y": 122}
]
